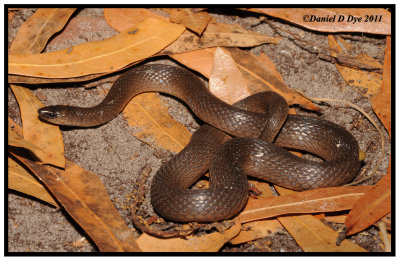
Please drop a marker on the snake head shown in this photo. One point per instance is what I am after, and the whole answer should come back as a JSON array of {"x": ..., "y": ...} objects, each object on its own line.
[{"x": 53, "y": 114}]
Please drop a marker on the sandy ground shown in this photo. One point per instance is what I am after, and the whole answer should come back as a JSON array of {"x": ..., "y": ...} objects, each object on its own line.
[{"x": 107, "y": 150}]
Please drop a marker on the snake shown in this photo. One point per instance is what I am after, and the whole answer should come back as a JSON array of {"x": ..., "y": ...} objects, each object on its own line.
[{"x": 249, "y": 138}]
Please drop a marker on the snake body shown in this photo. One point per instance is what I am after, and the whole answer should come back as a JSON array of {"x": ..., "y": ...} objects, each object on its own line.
[{"x": 256, "y": 121}]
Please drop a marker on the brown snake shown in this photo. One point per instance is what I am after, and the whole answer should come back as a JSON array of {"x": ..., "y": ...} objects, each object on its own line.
[{"x": 256, "y": 121}]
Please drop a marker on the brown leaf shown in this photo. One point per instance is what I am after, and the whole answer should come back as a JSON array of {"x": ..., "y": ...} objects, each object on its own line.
[
  {"x": 21, "y": 180},
  {"x": 355, "y": 77},
  {"x": 360, "y": 61},
  {"x": 38, "y": 80},
  {"x": 84, "y": 197},
  {"x": 334, "y": 217},
  {"x": 311, "y": 201},
  {"x": 46, "y": 136},
  {"x": 34, "y": 33},
  {"x": 198, "y": 60},
  {"x": 134, "y": 44},
  {"x": 381, "y": 103},
  {"x": 201, "y": 60},
  {"x": 261, "y": 78},
  {"x": 375, "y": 204},
  {"x": 218, "y": 35},
  {"x": 196, "y": 22},
  {"x": 17, "y": 141},
  {"x": 381, "y": 23},
  {"x": 123, "y": 18},
  {"x": 258, "y": 229},
  {"x": 314, "y": 236},
  {"x": 158, "y": 128},
  {"x": 226, "y": 80},
  {"x": 206, "y": 243},
  {"x": 310, "y": 233}
]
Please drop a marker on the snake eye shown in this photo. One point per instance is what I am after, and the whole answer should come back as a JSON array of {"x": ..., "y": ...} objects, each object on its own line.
[{"x": 48, "y": 113}]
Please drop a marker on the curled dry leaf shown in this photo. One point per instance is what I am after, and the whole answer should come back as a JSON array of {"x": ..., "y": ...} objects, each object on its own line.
[
  {"x": 206, "y": 243},
  {"x": 371, "y": 81},
  {"x": 196, "y": 22},
  {"x": 375, "y": 204},
  {"x": 226, "y": 81},
  {"x": 36, "y": 30},
  {"x": 21, "y": 180},
  {"x": 312, "y": 201},
  {"x": 134, "y": 44},
  {"x": 46, "y": 136},
  {"x": 158, "y": 128},
  {"x": 382, "y": 102},
  {"x": 380, "y": 23}
]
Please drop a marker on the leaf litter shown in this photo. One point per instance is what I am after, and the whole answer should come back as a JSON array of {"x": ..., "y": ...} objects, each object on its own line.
[{"x": 141, "y": 145}]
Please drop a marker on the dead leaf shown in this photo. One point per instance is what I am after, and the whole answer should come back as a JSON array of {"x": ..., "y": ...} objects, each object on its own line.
[
  {"x": 314, "y": 236},
  {"x": 381, "y": 103},
  {"x": 34, "y": 33},
  {"x": 334, "y": 217},
  {"x": 198, "y": 60},
  {"x": 375, "y": 204},
  {"x": 360, "y": 61},
  {"x": 21, "y": 180},
  {"x": 257, "y": 229},
  {"x": 311, "y": 201},
  {"x": 342, "y": 19},
  {"x": 16, "y": 141},
  {"x": 226, "y": 80},
  {"x": 158, "y": 128},
  {"x": 38, "y": 80},
  {"x": 218, "y": 35},
  {"x": 261, "y": 78},
  {"x": 83, "y": 196},
  {"x": 46, "y": 136},
  {"x": 259, "y": 73},
  {"x": 371, "y": 81},
  {"x": 207, "y": 243},
  {"x": 196, "y": 22},
  {"x": 123, "y": 18},
  {"x": 134, "y": 44},
  {"x": 310, "y": 233}
]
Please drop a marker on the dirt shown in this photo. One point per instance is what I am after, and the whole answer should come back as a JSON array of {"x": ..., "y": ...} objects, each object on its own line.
[{"x": 34, "y": 226}]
